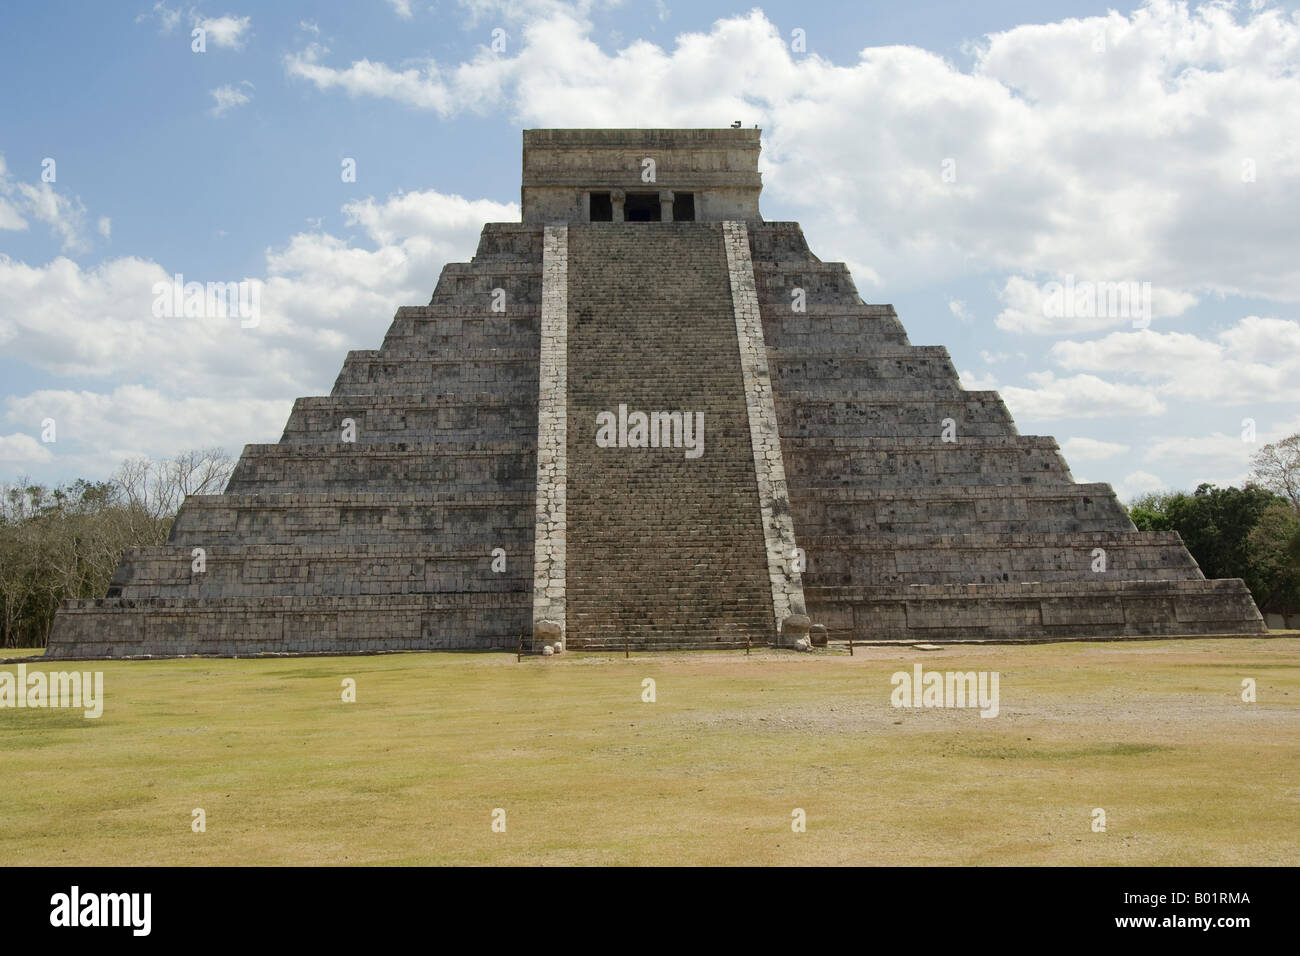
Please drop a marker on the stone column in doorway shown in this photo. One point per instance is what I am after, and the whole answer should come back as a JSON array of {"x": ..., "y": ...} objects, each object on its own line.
[{"x": 666, "y": 205}]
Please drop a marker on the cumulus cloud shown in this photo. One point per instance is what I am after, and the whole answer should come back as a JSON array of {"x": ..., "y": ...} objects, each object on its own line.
[
  {"x": 1067, "y": 305},
  {"x": 977, "y": 383},
  {"x": 1223, "y": 458},
  {"x": 1139, "y": 483},
  {"x": 227, "y": 31},
  {"x": 23, "y": 449},
  {"x": 1115, "y": 165},
  {"x": 1079, "y": 396},
  {"x": 1258, "y": 359},
  {"x": 98, "y": 430}
]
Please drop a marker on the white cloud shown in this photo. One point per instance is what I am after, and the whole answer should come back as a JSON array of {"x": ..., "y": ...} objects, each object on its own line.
[
  {"x": 1139, "y": 483},
  {"x": 958, "y": 308},
  {"x": 1069, "y": 304},
  {"x": 995, "y": 358},
  {"x": 227, "y": 31},
  {"x": 228, "y": 97},
  {"x": 97, "y": 431},
  {"x": 1258, "y": 359},
  {"x": 65, "y": 215},
  {"x": 10, "y": 217},
  {"x": 1182, "y": 449},
  {"x": 401, "y": 7},
  {"x": 105, "y": 227},
  {"x": 976, "y": 383},
  {"x": 1216, "y": 453},
  {"x": 23, "y": 449},
  {"x": 1117, "y": 165},
  {"x": 1090, "y": 449},
  {"x": 1080, "y": 396},
  {"x": 167, "y": 18}
]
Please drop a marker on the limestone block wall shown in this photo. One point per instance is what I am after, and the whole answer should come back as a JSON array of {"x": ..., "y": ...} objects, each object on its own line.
[
  {"x": 416, "y": 534},
  {"x": 923, "y": 512},
  {"x": 560, "y": 166}
]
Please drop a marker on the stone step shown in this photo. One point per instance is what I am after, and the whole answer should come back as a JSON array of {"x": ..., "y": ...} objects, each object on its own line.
[
  {"x": 436, "y": 521},
  {"x": 286, "y": 570},
  {"x": 882, "y": 463},
  {"x": 1035, "y": 610},
  {"x": 395, "y": 373},
  {"x": 481, "y": 416},
  {"x": 413, "y": 333},
  {"x": 774, "y": 241},
  {"x": 251, "y": 626},
  {"x": 662, "y": 550},
  {"x": 823, "y": 283},
  {"x": 449, "y": 464},
  {"x": 510, "y": 240},
  {"x": 466, "y": 283},
  {"x": 1009, "y": 509},
  {"x": 914, "y": 368},
  {"x": 897, "y": 560},
  {"x": 884, "y": 414},
  {"x": 832, "y": 329}
]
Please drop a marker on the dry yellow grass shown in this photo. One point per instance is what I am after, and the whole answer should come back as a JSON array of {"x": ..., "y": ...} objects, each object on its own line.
[{"x": 1153, "y": 732}]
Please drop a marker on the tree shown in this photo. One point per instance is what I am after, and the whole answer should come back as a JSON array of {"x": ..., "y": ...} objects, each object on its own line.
[
  {"x": 1274, "y": 549},
  {"x": 1277, "y": 468},
  {"x": 66, "y": 541},
  {"x": 1150, "y": 512},
  {"x": 1215, "y": 524}
]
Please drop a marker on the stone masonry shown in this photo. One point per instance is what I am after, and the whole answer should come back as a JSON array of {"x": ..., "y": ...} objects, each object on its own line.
[
  {"x": 552, "y": 416},
  {"x": 449, "y": 493},
  {"x": 773, "y": 495},
  {"x": 664, "y": 550}
]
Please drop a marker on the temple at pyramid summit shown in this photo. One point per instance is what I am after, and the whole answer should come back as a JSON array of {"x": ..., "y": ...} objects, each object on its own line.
[{"x": 645, "y": 417}]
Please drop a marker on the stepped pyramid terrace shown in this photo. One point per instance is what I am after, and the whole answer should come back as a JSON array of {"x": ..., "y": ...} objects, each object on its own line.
[{"x": 622, "y": 423}]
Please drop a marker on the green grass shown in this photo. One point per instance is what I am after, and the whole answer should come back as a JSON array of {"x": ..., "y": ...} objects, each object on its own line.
[{"x": 1153, "y": 732}]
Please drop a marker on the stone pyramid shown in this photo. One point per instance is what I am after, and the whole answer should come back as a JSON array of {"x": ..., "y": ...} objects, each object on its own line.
[{"x": 645, "y": 416}]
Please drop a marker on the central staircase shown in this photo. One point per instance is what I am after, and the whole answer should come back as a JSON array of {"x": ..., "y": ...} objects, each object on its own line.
[{"x": 664, "y": 551}]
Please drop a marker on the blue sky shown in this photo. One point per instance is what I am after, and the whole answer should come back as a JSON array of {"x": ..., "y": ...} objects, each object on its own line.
[{"x": 1107, "y": 146}]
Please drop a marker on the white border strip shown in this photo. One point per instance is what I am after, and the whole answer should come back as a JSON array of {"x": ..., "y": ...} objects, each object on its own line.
[
  {"x": 552, "y": 430},
  {"x": 773, "y": 494}
]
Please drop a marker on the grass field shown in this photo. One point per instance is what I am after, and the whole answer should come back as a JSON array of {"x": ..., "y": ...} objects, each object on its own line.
[{"x": 1155, "y": 733}]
